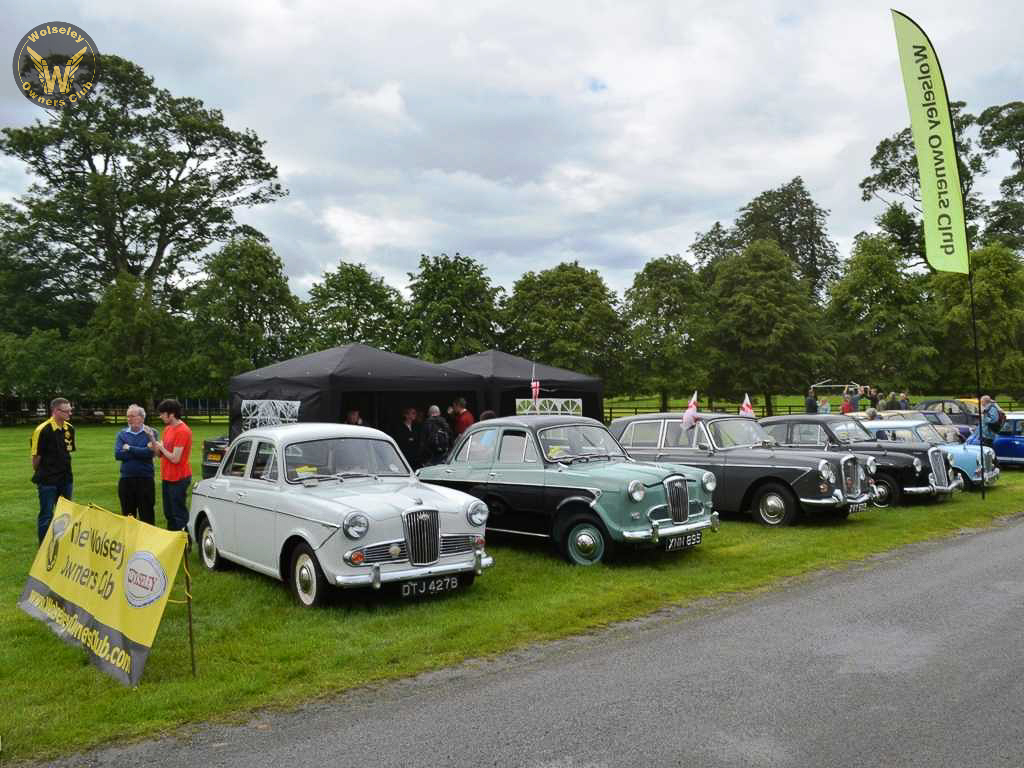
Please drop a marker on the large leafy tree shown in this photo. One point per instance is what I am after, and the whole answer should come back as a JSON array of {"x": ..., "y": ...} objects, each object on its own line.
[
  {"x": 999, "y": 306},
  {"x": 1002, "y": 130},
  {"x": 132, "y": 348},
  {"x": 766, "y": 333},
  {"x": 37, "y": 365},
  {"x": 452, "y": 310},
  {"x": 666, "y": 314},
  {"x": 568, "y": 317},
  {"x": 352, "y": 304},
  {"x": 244, "y": 315},
  {"x": 882, "y": 324},
  {"x": 894, "y": 180},
  {"x": 786, "y": 215},
  {"x": 133, "y": 180}
]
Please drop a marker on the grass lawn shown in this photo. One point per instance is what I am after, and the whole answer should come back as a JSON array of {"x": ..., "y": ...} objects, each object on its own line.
[{"x": 255, "y": 648}]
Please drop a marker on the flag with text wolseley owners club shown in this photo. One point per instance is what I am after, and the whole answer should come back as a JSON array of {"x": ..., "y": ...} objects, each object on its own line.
[
  {"x": 931, "y": 124},
  {"x": 101, "y": 581}
]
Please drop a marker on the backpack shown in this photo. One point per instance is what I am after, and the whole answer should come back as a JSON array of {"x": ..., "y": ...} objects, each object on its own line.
[
  {"x": 440, "y": 441},
  {"x": 997, "y": 425}
]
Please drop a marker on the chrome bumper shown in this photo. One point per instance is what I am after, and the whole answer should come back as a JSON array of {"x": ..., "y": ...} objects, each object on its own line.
[
  {"x": 375, "y": 577},
  {"x": 932, "y": 489},
  {"x": 658, "y": 531},
  {"x": 991, "y": 476},
  {"x": 837, "y": 500}
]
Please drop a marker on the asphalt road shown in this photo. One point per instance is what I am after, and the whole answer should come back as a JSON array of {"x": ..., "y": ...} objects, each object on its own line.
[{"x": 912, "y": 659}]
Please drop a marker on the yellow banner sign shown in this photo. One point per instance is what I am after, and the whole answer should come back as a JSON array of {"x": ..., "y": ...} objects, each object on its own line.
[{"x": 101, "y": 581}]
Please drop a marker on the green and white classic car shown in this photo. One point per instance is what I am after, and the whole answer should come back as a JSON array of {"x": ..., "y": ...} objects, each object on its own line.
[{"x": 566, "y": 478}]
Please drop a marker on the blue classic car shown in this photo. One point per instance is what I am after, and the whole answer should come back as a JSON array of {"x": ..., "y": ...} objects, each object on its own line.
[
  {"x": 1009, "y": 443},
  {"x": 963, "y": 458}
]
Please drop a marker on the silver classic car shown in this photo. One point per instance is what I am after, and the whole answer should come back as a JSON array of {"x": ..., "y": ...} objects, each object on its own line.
[{"x": 321, "y": 505}]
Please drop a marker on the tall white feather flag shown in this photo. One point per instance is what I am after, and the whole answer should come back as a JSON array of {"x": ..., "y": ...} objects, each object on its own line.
[
  {"x": 747, "y": 409},
  {"x": 690, "y": 417}
]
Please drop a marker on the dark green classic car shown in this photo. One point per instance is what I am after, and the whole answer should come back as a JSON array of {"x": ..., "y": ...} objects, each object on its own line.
[{"x": 566, "y": 478}]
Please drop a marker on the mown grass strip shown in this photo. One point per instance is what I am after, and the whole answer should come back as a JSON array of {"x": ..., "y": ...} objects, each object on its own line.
[{"x": 255, "y": 648}]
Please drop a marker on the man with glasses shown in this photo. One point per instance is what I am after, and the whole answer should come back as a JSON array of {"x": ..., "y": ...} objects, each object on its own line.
[{"x": 52, "y": 442}]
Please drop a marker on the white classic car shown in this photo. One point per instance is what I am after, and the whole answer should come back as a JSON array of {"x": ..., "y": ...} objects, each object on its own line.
[{"x": 320, "y": 505}]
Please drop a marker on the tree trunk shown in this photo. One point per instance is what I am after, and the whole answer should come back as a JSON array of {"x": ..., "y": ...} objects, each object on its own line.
[
  {"x": 664, "y": 400},
  {"x": 767, "y": 404}
]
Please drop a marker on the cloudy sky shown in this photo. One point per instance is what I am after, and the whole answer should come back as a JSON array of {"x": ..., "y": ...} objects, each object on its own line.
[{"x": 528, "y": 133}]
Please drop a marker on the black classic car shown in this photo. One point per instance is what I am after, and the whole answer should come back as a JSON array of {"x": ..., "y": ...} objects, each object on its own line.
[
  {"x": 776, "y": 486},
  {"x": 914, "y": 469},
  {"x": 566, "y": 478}
]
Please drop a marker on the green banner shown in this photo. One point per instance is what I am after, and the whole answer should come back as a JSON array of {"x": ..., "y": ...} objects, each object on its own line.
[{"x": 931, "y": 124}]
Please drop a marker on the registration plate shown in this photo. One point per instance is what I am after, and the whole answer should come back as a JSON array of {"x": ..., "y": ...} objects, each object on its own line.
[
  {"x": 682, "y": 542},
  {"x": 213, "y": 457},
  {"x": 424, "y": 587},
  {"x": 858, "y": 507}
]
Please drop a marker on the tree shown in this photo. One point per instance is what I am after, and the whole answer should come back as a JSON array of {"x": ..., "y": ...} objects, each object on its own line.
[
  {"x": 132, "y": 348},
  {"x": 895, "y": 177},
  {"x": 35, "y": 295},
  {"x": 37, "y": 365},
  {"x": 132, "y": 181},
  {"x": 881, "y": 322},
  {"x": 999, "y": 305},
  {"x": 764, "y": 334},
  {"x": 1002, "y": 129},
  {"x": 244, "y": 315},
  {"x": 666, "y": 316},
  {"x": 453, "y": 308},
  {"x": 789, "y": 216},
  {"x": 566, "y": 316},
  {"x": 354, "y": 305}
]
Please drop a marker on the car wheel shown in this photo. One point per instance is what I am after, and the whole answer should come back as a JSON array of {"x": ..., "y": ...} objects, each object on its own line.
[
  {"x": 306, "y": 579},
  {"x": 775, "y": 505},
  {"x": 584, "y": 542},
  {"x": 968, "y": 485},
  {"x": 208, "y": 552},
  {"x": 889, "y": 492}
]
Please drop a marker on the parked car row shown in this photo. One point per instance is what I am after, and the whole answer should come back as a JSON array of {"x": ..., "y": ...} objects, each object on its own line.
[{"x": 322, "y": 506}]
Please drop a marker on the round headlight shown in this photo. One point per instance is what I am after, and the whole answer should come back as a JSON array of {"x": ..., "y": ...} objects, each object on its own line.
[
  {"x": 917, "y": 464},
  {"x": 872, "y": 465},
  {"x": 636, "y": 490},
  {"x": 709, "y": 481},
  {"x": 477, "y": 513},
  {"x": 825, "y": 471},
  {"x": 356, "y": 525}
]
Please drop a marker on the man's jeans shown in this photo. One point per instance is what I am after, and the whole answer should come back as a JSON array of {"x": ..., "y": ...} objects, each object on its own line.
[
  {"x": 47, "y": 501},
  {"x": 175, "y": 508}
]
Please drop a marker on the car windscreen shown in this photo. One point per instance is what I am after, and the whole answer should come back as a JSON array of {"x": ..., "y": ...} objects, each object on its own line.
[
  {"x": 575, "y": 440},
  {"x": 929, "y": 434},
  {"x": 729, "y": 433},
  {"x": 340, "y": 456},
  {"x": 850, "y": 431}
]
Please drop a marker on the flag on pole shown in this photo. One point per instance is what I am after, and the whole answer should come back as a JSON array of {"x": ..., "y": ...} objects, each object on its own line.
[
  {"x": 931, "y": 124},
  {"x": 534, "y": 386},
  {"x": 747, "y": 409},
  {"x": 690, "y": 416}
]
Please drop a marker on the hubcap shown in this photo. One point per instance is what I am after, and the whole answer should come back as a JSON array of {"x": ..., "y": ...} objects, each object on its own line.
[
  {"x": 304, "y": 579},
  {"x": 209, "y": 547},
  {"x": 885, "y": 493},
  {"x": 586, "y": 544},
  {"x": 773, "y": 508}
]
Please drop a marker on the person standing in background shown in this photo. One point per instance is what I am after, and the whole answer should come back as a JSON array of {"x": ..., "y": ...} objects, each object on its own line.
[
  {"x": 52, "y": 444},
  {"x": 175, "y": 471},
  {"x": 135, "y": 485}
]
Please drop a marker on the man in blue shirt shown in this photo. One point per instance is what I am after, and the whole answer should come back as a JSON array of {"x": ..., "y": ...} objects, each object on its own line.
[
  {"x": 989, "y": 420},
  {"x": 135, "y": 487}
]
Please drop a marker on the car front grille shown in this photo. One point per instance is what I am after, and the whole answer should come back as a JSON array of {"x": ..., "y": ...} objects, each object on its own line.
[
  {"x": 937, "y": 460},
  {"x": 454, "y": 545},
  {"x": 422, "y": 536},
  {"x": 852, "y": 475},
  {"x": 678, "y": 499},
  {"x": 381, "y": 553}
]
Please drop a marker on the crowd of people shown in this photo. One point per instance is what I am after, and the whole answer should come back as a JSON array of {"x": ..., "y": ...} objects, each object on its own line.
[
  {"x": 858, "y": 398},
  {"x": 427, "y": 441}
]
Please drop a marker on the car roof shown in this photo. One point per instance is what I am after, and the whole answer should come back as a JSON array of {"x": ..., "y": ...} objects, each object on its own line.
[
  {"x": 1015, "y": 414},
  {"x": 310, "y": 430},
  {"x": 536, "y": 421},
  {"x": 819, "y": 418},
  {"x": 701, "y": 415},
  {"x": 895, "y": 423}
]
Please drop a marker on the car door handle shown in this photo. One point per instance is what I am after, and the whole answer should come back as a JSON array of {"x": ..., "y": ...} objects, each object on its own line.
[
  {"x": 492, "y": 474},
  {"x": 240, "y": 494},
  {"x": 449, "y": 471}
]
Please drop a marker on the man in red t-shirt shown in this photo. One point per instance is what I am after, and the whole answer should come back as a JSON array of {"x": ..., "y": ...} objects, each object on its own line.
[
  {"x": 175, "y": 471},
  {"x": 463, "y": 417}
]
